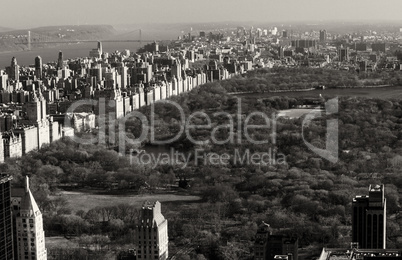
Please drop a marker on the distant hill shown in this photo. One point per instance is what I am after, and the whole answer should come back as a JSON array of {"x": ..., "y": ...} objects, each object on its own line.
[
  {"x": 15, "y": 40},
  {"x": 5, "y": 29}
]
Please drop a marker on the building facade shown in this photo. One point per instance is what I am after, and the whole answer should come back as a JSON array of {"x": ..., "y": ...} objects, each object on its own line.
[
  {"x": 269, "y": 247},
  {"x": 29, "y": 235},
  {"x": 6, "y": 221},
  {"x": 369, "y": 219},
  {"x": 152, "y": 233}
]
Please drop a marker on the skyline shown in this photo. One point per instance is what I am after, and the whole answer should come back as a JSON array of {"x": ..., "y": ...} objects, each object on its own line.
[{"x": 184, "y": 11}]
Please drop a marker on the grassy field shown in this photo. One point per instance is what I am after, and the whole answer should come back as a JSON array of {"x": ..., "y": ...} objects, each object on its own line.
[
  {"x": 59, "y": 241},
  {"x": 86, "y": 200},
  {"x": 383, "y": 93},
  {"x": 296, "y": 113}
]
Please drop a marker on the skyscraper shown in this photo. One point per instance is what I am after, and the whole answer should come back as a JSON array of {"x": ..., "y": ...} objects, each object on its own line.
[
  {"x": 323, "y": 36},
  {"x": 60, "y": 61},
  {"x": 29, "y": 234},
  {"x": 152, "y": 235},
  {"x": 343, "y": 54},
  {"x": 6, "y": 221},
  {"x": 15, "y": 70},
  {"x": 369, "y": 219},
  {"x": 38, "y": 67},
  {"x": 100, "y": 47}
]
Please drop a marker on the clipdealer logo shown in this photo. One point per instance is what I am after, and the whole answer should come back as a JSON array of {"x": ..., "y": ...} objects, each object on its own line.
[{"x": 238, "y": 128}]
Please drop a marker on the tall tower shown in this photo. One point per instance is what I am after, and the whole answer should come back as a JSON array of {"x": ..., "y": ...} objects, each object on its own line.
[
  {"x": 6, "y": 220},
  {"x": 100, "y": 48},
  {"x": 15, "y": 70},
  {"x": 60, "y": 61},
  {"x": 38, "y": 67},
  {"x": 323, "y": 36},
  {"x": 152, "y": 236},
  {"x": 369, "y": 219},
  {"x": 29, "y": 237}
]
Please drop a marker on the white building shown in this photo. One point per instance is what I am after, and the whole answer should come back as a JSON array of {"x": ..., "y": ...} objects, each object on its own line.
[{"x": 29, "y": 234}]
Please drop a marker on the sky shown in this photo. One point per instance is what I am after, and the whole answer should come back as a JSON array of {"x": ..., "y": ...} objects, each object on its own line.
[{"x": 35, "y": 13}]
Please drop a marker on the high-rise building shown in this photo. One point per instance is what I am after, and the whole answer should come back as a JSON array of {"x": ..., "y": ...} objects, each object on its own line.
[
  {"x": 380, "y": 47},
  {"x": 285, "y": 34},
  {"x": 100, "y": 49},
  {"x": 6, "y": 220},
  {"x": 29, "y": 235},
  {"x": 323, "y": 36},
  {"x": 280, "y": 52},
  {"x": 14, "y": 70},
  {"x": 361, "y": 46},
  {"x": 269, "y": 247},
  {"x": 38, "y": 67},
  {"x": 96, "y": 53},
  {"x": 304, "y": 43},
  {"x": 60, "y": 61},
  {"x": 369, "y": 219},
  {"x": 343, "y": 54},
  {"x": 152, "y": 233}
]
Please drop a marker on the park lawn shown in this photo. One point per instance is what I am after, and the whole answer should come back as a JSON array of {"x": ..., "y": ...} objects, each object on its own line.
[
  {"x": 86, "y": 200},
  {"x": 382, "y": 93}
]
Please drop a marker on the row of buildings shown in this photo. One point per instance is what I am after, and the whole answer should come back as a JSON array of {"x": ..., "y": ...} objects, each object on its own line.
[{"x": 37, "y": 99}]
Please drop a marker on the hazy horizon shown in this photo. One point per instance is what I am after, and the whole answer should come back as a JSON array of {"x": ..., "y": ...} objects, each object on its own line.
[{"x": 24, "y": 14}]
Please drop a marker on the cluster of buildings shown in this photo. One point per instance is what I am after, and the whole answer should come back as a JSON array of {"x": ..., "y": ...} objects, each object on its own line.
[
  {"x": 22, "y": 236},
  {"x": 36, "y": 100},
  {"x": 363, "y": 51},
  {"x": 368, "y": 234}
]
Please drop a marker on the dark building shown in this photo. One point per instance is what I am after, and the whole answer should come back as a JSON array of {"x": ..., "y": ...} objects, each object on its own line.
[
  {"x": 323, "y": 36},
  {"x": 281, "y": 53},
  {"x": 6, "y": 219},
  {"x": 267, "y": 246},
  {"x": 288, "y": 53},
  {"x": 38, "y": 67},
  {"x": 369, "y": 219},
  {"x": 343, "y": 54},
  {"x": 14, "y": 70},
  {"x": 363, "y": 66},
  {"x": 285, "y": 34},
  {"x": 360, "y": 46},
  {"x": 60, "y": 60},
  {"x": 378, "y": 47},
  {"x": 304, "y": 43}
]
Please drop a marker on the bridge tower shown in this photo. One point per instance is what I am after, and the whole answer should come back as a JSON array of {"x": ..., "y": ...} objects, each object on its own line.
[{"x": 29, "y": 40}]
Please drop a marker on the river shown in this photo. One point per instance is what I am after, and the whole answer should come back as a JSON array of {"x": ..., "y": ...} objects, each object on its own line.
[{"x": 70, "y": 51}]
